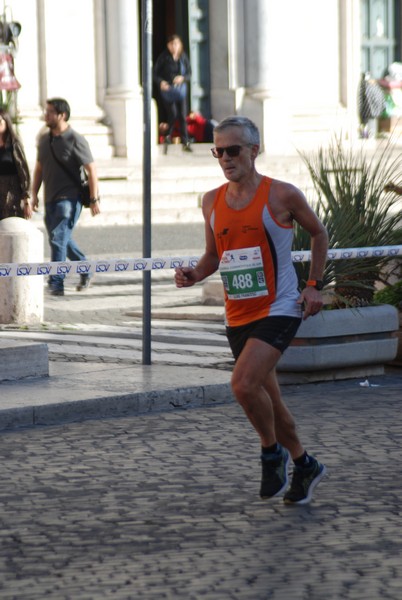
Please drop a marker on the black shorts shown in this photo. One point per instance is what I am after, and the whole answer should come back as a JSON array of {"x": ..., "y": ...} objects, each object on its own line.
[{"x": 276, "y": 331}]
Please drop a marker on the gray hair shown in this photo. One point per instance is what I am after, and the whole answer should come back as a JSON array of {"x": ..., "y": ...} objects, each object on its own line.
[{"x": 249, "y": 128}]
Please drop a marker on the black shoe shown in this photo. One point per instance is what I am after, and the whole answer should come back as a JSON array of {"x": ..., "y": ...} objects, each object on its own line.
[
  {"x": 166, "y": 143},
  {"x": 274, "y": 473},
  {"x": 304, "y": 481},
  {"x": 83, "y": 284},
  {"x": 187, "y": 147},
  {"x": 56, "y": 291}
]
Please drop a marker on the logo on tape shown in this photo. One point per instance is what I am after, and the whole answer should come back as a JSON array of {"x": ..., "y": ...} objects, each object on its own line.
[
  {"x": 102, "y": 267},
  {"x": 140, "y": 265},
  {"x": 63, "y": 268},
  {"x": 121, "y": 266},
  {"x": 43, "y": 269},
  {"x": 158, "y": 264},
  {"x": 23, "y": 270},
  {"x": 4, "y": 271},
  {"x": 83, "y": 268}
]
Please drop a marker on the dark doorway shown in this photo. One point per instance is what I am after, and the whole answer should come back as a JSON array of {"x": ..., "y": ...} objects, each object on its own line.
[
  {"x": 189, "y": 19},
  {"x": 169, "y": 16}
]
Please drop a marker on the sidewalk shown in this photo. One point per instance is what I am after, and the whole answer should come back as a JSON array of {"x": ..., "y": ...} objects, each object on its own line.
[{"x": 96, "y": 355}]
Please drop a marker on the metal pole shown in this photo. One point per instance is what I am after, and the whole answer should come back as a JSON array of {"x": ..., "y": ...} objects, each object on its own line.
[{"x": 146, "y": 175}]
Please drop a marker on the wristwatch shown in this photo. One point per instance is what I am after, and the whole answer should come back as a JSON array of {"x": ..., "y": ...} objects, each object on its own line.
[
  {"x": 317, "y": 283},
  {"x": 93, "y": 200}
]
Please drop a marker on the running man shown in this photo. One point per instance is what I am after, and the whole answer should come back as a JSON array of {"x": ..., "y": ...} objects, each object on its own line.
[{"x": 248, "y": 235}]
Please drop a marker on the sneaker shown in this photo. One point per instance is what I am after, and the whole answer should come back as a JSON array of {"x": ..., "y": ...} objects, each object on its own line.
[
  {"x": 303, "y": 483},
  {"x": 84, "y": 283},
  {"x": 56, "y": 291},
  {"x": 274, "y": 473}
]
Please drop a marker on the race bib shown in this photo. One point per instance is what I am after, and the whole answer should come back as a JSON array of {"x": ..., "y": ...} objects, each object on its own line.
[{"x": 242, "y": 273}]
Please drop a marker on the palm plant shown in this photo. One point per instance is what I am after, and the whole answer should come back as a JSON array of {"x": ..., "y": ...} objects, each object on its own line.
[{"x": 351, "y": 201}]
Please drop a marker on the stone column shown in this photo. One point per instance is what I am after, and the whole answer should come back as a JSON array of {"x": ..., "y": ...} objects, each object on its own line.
[
  {"x": 246, "y": 66},
  {"x": 21, "y": 298},
  {"x": 123, "y": 99},
  {"x": 225, "y": 48},
  {"x": 265, "y": 98},
  {"x": 350, "y": 56},
  {"x": 67, "y": 55}
]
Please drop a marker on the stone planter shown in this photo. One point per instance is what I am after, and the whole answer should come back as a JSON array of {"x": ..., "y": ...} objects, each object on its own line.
[
  {"x": 398, "y": 359},
  {"x": 341, "y": 344}
]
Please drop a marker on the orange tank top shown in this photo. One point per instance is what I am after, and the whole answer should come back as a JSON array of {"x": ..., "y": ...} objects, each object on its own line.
[{"x": 256, "y": 264}]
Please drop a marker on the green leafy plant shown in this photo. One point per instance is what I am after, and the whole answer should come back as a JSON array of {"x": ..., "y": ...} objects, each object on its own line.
[
  {"x": 390, "y": 294},
  {"x": 351, "y": 201}
]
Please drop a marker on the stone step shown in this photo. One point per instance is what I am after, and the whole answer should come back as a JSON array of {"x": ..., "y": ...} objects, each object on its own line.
[
  {"x": 19, "y": 360},
  {"x": 178, "y": 181}
]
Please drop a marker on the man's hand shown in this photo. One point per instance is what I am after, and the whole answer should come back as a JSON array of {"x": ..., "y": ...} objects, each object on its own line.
[
  {"x": 312, "y": 301},
  {"x": 95, "y": 208},
  {"x": 35, "y": 202},
  {"x": 184, "y": 277}
]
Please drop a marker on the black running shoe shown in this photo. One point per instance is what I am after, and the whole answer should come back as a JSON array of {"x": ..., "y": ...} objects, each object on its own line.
[
  {"x": 304, "y": 481},
  {"x": 274, "y": 473}
]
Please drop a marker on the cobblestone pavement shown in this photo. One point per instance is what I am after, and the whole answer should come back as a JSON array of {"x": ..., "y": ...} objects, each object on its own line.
[{"x": 165, "y": 506}]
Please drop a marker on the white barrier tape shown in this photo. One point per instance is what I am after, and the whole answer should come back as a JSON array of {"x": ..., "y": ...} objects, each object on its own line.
[
  {"x": 348, "y": 253},
  {"x": 120, "y": 265},
  {"x": 113, "y": 265}
]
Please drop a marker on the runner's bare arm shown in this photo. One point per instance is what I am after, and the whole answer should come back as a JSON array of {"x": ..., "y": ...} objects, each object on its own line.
[
  {"x": 209, "y": 261},
  {"x": 300, "y": 211}
]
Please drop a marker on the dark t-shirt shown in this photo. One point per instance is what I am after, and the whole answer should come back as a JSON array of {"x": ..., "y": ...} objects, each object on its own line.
[
  {"x": 7, "y": 164},
  {"x": 73, "y": 151}
]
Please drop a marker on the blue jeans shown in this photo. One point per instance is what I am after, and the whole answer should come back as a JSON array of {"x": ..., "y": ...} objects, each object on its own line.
[{"x": 60, "y": 219}]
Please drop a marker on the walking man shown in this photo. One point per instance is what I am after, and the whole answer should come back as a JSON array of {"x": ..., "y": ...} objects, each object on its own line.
[
  {"x": 60, "y": 155},
  {"x": 248, "y": 234}
]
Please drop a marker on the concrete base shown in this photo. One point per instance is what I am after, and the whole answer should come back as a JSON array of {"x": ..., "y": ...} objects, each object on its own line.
[
  {"x": 21, "y": 297},
  {"x": 347, "y": 339},
  {"x": 19, "y": 360},
  {"x": 335, "y": 344},
  {"x": 298, "y": 378}
]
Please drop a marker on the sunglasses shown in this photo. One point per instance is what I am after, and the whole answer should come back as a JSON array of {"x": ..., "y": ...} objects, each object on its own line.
[{"x": 231, "y": 151}]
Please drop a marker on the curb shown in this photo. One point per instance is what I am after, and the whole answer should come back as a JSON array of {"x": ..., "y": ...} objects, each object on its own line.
[{"x": 114, "y": 406}]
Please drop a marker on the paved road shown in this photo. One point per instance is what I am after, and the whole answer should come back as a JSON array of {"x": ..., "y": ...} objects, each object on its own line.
[
  {"x": 165, "y": 506},
  {"x": 118, "y": 241}
]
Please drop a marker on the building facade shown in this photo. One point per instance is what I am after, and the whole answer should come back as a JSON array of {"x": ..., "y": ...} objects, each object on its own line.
[{"x": 293, "y": 66}]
